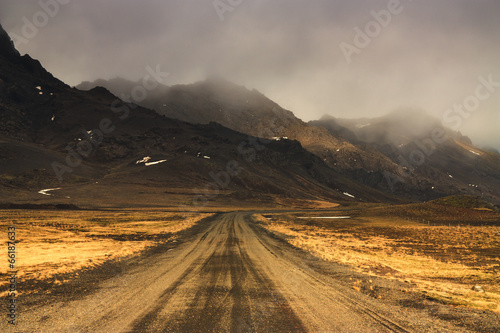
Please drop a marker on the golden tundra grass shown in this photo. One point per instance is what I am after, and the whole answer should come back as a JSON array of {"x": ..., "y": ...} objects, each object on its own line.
[
  {"x": 444, "y": 262},
  {"x": 56, "y": 242}
]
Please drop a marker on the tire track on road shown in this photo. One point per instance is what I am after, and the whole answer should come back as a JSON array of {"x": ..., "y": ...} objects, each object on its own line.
[{"x": 227, "y": 275}]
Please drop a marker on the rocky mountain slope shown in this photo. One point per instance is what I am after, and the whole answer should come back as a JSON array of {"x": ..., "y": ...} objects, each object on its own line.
[
  {"x": 424, "y": 149},
  {"x": 370, "y": 155},
  {"x": 90, "y": 148}
]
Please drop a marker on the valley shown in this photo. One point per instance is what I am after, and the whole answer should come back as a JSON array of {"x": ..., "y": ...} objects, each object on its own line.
[{"x": 208, "y": 207}]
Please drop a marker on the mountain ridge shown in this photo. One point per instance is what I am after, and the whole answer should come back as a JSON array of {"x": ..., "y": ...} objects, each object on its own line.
[
  {"x": 365, "y": 152},
  {"x": 364, "y": 160},
  {"x": 95, "y": 150}
]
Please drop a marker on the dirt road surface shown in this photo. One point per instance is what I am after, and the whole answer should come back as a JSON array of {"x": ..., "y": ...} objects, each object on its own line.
[{"x": 229, "y": 275}]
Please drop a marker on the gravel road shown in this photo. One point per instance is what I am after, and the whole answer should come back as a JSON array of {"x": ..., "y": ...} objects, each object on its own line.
[{"x": 228, "y": 275}]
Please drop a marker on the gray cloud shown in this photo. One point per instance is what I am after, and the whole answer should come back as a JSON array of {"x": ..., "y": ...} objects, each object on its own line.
[{"x": 429, "y": 56}]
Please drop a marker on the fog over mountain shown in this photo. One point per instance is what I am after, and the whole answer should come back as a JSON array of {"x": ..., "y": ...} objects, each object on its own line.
[{"x": 310, "y": 57}]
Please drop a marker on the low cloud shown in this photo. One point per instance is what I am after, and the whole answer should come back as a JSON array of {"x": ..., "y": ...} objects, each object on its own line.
[{"x": 428, "y": 57}]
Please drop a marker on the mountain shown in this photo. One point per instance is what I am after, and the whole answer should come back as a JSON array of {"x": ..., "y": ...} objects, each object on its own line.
[
  {"x": 123, "y": 89},
  {"x": 425, "y": 150},
  {"x": 96, "y": 147},
  {"x": 250, "y": 112},
  {"x": 373, "y": 152},
  {"x": 89, "y": 148}
]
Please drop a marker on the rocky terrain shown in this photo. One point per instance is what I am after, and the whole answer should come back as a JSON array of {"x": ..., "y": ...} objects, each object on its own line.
[
  {"x": 407, "y": 154},
  {"x": 89, "y": 147}
]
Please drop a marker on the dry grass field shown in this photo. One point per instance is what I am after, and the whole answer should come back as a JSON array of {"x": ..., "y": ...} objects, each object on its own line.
[
  {"x": 440, "y": 251},
  {"x": 54, "y": 242},
  {"x": 434, "y": 250}
]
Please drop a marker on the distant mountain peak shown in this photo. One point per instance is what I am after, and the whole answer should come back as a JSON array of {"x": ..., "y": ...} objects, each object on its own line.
[
  {"x": 215, "y": 78},
  {"x": 88, "y": 85},
  {"x": 327, "y": 117},
  {"x": 100, "y": 91},
  {"x": 216, "y": 82}
]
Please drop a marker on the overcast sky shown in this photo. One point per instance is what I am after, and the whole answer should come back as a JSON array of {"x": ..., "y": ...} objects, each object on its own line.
[{"x": 308, "y": 56}]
